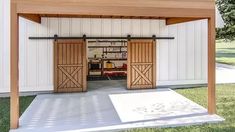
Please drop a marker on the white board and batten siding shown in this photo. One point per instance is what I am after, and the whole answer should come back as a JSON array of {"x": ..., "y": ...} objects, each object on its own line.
[
  {"x": 179, "y": 61},
  {"x": 4, "y": 45}
]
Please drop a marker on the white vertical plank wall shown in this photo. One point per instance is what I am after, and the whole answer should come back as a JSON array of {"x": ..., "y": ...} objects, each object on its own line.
[
  {"x": 4, "y": 45},
  {"x": 179, "y": 61}
]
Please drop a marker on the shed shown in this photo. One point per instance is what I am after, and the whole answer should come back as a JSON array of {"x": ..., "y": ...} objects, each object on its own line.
[{"x": 169, "y": 11}]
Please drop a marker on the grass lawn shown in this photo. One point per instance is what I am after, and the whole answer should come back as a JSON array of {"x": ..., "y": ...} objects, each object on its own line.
[
  {"x": 225, "y": 108},
  {"x": 5, "y": 111},
  {"x": 225, "y": 52}
]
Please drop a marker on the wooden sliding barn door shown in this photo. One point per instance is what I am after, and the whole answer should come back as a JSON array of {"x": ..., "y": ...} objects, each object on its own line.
[
  {"x": 141, "y": 70},
  {"x": 70, "y": 66}
]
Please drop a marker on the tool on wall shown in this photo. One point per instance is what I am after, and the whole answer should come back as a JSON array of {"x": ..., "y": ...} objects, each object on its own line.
[{"x": 110, "y": 64}]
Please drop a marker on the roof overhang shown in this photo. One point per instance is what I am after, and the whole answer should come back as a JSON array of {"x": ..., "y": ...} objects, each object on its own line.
[{"x": 174, "y": 11}]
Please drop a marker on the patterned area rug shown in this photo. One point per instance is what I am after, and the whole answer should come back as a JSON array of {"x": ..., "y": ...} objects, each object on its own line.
[{"x": 159, "y": 105}]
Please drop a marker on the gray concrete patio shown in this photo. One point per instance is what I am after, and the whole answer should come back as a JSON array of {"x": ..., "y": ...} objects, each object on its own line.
[
  {"x": 225, "y": 73},
  {"x": 109, "y": 106}
]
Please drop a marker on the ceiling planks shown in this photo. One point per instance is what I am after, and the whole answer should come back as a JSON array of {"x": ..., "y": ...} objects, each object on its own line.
[
  {"x": 145, "y": 9},
  {"x": 170, "y": 21},
  {"x": 33, "y": 17}
]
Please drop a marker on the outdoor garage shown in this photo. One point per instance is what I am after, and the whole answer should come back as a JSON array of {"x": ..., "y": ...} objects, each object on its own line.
[{"x": 50, "y": 41}]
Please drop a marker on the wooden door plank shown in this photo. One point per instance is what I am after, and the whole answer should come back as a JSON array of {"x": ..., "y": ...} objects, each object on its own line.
[
  {"x": 136, "y": 54},
  {"x": 60, "y": 61},
  {"x": 144, "y": 60},
  {"x": 69, "y": 62},
  {"x": 80, "y": 52},
  {"x": 72, "y": 62},
  {"x": 64, "y": 57}
]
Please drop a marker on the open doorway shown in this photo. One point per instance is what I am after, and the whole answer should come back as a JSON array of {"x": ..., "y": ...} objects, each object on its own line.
[
  {"x": 133, "y": 62},
  {"x": 107, "y": 62}
]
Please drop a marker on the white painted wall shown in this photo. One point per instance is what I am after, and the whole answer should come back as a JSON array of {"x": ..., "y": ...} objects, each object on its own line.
[
  {"x": 4, "y": 45},
  {"x": 179, "y": 61}
]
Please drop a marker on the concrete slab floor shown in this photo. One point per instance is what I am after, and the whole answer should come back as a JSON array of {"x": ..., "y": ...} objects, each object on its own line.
[
  {"x": 95, "y": 111},
  {"x": 225, "y": 74}
]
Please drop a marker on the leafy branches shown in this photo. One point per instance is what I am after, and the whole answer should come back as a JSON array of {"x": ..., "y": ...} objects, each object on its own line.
[{"x": 227, "y": 10}]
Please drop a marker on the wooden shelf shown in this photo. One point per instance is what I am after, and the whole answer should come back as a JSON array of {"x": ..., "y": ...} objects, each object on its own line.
[
  {"x": 114, "y": 52},
  {"x": 102, "y": 60},
  {"x": 95, "y": 70},
  {"x": 95, "y": 59},
  {"x": 108, "y": 69},
  {"x": 107, "y": 46},
  {"x": 114, "y": 59},
  {"x": 115, "y": 69},
  {"x": 94, "y": 62},
  {"x": 109, "y": 59}
]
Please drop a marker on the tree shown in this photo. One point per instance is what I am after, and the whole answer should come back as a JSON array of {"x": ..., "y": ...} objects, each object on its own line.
[{"x": 227, "y": 10}]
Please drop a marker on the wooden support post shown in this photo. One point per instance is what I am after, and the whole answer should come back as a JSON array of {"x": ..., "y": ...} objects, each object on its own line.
[
  {"x": 211, "y": 66},
  {"x": 14, "y": 71}
]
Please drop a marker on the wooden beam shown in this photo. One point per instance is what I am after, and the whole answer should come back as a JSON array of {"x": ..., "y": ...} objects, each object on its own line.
[
  {"x": 32, "y": 17},
  {"x": 72, "y": 10},
  {"x": 211, "y": 66},
  {"x": 14, "y": 71},
  {"x": 170, "y": 21},
  {"x": 191, "y": 4}
]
